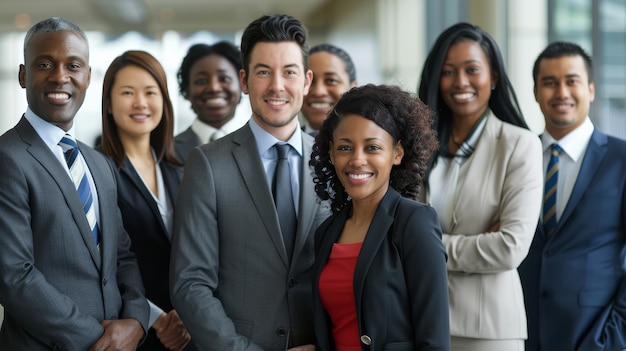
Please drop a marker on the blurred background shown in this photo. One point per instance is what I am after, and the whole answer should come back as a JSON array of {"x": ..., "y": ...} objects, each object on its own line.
[{"x": 387, "y": 39}]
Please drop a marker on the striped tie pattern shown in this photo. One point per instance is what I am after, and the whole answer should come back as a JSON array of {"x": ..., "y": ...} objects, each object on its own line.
[
  {"x": 79, "y": 177},
  {"x": 549, "y": 199}
]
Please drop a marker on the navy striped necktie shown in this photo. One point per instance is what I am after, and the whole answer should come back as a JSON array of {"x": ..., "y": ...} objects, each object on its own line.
[
  {"x": 79, "y": 177},
  {"x": 549, "y": 199}
]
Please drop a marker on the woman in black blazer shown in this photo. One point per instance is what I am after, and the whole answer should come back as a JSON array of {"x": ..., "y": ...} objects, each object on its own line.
[
  {"x": 137, "y": 137},
  {"x": 380, "y": 270}
]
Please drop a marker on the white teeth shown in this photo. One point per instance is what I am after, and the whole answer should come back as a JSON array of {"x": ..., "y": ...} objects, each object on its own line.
[
  {"x": 276, "y": 103},
  {"x": 359, "y": 176},
  {"x": 320, "y": 105},
  {"x": 465, "y": 96},
  {"x": 58, "y": 96}
]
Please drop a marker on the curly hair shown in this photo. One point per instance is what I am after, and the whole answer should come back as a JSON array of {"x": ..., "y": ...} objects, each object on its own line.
[{"x": 401, "y": 114}]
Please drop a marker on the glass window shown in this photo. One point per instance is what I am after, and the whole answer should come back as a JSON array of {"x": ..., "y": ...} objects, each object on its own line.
[{"x": 599, "y": 26}]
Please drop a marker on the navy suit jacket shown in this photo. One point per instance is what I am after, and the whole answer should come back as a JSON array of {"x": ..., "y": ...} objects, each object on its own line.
[
  {"x": 574, "y": 284},
  {"x": 400, "y": 279}
]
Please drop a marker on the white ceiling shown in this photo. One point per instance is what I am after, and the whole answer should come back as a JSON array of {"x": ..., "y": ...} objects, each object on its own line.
[{"x": 155, "y": 16}]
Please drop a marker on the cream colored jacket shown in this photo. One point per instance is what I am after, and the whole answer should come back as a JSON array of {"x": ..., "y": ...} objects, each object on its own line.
[{"x": 503, "y": 183}]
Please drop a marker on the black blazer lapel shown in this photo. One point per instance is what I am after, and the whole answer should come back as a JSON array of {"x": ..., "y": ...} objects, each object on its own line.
[
  {"x": 131, "y": 173},
  {"x": 376, "y": 235}
]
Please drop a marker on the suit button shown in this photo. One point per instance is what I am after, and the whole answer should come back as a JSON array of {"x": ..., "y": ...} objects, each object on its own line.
[
  {"x": 545, "y": 294},
  {"x": 292, "y": 283},
  {"x": 280, "y": 331},
  {"x": 104, "y": 282},
  {"x": 366, "y": 340}
]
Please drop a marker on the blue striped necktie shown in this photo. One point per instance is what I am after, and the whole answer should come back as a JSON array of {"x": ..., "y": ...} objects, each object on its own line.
[
  {"x": 549, "y": 199},
  {"x": 79, "y": 177}
]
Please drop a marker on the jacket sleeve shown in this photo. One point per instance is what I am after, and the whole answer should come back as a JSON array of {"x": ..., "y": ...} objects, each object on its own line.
[
  {"x": 609, "y": 331},
  {"x": 518, "y": 211},
  {"x": 424, "y": 261},
  {"x": 43, "y": 311}
]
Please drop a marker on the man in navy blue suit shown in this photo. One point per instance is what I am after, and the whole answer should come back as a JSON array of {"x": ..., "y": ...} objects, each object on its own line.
[{"x": 573, "y": 277}]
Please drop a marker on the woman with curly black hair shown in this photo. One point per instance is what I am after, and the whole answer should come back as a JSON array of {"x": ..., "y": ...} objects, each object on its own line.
[{"x": 380, "y": 268}]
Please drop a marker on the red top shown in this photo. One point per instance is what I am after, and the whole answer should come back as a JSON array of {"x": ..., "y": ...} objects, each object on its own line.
[{"x": 336, "y": 288}]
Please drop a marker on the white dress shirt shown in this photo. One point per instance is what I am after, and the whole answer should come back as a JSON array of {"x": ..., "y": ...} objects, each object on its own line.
[{"x": 574, "y": 145}]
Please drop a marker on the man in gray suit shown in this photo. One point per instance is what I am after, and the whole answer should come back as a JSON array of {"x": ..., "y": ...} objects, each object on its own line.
[
  {"x": 235, "y": 280},
  {"x": 68, "y": 280}
]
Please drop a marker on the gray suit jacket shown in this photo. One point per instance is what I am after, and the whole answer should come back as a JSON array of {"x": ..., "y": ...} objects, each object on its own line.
[
  {"x": 56, "y": 287},
  {"x": 231, "y": 280},
  {"x": 185, "y": 142}
]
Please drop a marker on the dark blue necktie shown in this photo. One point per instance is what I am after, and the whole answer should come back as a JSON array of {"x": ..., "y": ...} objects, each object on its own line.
[
  {"x": 283, "y": 198},
  {"x": 79, "y": 177},
  {"x": 549, "y": 199}
]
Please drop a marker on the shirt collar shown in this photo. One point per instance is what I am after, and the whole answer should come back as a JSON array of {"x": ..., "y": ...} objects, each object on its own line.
[
  {"x": 265, "y": 141},
  {"x": 202, "y": 130},
  {"x": 574, "y": 143},
  {"x": 48, "y": 132}
]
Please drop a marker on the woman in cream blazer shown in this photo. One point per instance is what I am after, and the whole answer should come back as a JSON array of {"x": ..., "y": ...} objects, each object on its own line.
[{"x": 486, "y": 184}]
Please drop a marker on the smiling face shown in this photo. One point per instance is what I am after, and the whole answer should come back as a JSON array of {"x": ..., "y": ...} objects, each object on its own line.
[
  {"x": 56, "y": 75},
  {"x": 564, "y": 93},
  {"x": 466, "y": 80},
  {"x": 276, "y": 83},
  {"x": 363, "y": 154},
  {"x": 136, "y": 102},
  {"x": 214, "y": 90},
  {"x": 330, "y": 81}
]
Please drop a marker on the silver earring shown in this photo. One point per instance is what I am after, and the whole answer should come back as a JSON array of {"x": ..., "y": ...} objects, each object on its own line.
[{"x": 493, "y": 87}]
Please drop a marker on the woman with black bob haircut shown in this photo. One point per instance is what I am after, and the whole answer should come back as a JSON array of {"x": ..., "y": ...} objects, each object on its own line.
[
  {"x": 485, "y": 182},
  {"x": 380, "y": 268}
]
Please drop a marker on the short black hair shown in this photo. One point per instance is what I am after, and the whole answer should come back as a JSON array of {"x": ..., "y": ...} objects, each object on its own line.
[
  {"x": 342, "y": 54},
  {"x": 275, "y": 28},
  {"x": 50, "y": 25},
  {"x": 223, "y": 48},
  {"x": 560, "y": 49}
]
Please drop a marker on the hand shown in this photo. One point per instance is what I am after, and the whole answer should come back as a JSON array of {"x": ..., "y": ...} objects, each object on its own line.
[
  {"x": 494, "y": 228},
  {"x": 119, "y": 335},
  {"x": 171, "y": 331},
  {"x": 303, "y": 348}
]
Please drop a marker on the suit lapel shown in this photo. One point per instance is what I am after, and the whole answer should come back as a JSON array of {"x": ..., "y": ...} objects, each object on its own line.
[
  {"x": 308, "y": 203},
  {"x": 376, "y": 234},
  {"x": 251, "y": 169},
  {"x": 485, "y": 149},
  {"x": 131, "y": 173},
  {"x": 596, "y": 150},
  {"x": 40, "y": 151}
]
